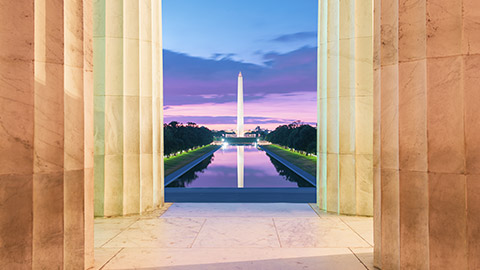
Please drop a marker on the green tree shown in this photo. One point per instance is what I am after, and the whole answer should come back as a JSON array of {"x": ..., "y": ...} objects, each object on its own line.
[
  {"x": 179, "y": 137},
  {"x": 296, "y": 135}
]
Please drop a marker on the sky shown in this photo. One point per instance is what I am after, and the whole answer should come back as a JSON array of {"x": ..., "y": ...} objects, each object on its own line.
[{"x": 208, "y": 42}]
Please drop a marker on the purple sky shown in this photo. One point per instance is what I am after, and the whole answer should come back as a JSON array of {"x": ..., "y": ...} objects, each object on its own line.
[{"x": 275, "y": 51}]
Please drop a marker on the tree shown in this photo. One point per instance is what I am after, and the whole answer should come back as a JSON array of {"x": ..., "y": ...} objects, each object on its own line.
[
  {"x": 296, "y": 135},
  {"x": 179, "y": 137}
]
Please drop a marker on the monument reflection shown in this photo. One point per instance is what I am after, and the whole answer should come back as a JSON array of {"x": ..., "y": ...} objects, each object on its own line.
[{"x": 240, "y": 165}]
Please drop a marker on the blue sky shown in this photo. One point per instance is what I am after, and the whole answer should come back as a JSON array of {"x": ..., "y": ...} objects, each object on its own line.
[{"x": 207, "y": 42}]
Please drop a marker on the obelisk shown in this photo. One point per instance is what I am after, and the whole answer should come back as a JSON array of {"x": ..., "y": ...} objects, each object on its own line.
[{"x": 240, "y": 131}]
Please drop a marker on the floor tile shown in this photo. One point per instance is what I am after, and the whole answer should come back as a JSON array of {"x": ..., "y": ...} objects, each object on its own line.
[
  {"x": 234, "y": 236},
  {"x": 236, "y": 258},
  {"x": 159, "y": 232},
  {"x": 237, "y": 232},
  {"x": 156, "y": 213},
  {"x": 107, "y": 228},
  {"x": 316, "y": 232},
  {"x": 103, "y": 255},
  {"x": 365, "y": 255},
  {"x": 239, "y": 210},
  {"x": 362, "y": 226}
]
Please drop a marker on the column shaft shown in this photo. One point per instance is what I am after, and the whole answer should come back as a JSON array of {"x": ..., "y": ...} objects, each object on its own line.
[
  {"x": 363, "y": 103},
  {"x": 346, "y": 108},
  {"x": 128, "y": 125},
  {"x": 345, "y": 102},
  {"x": 333, "y": 192},
  {"x": 131, "y": 99},
  {"x": 322, "y": 193},
  {"x": 157, "y": 70},
  {"x": 17, "y": 95},
  {"x": 424, "y": 100},
  {"x": 46, "y": 156},
  {"x": 146, "y": 106},
  {"x": 114, "y": 108},
  {"x": 49, "y": 188}
]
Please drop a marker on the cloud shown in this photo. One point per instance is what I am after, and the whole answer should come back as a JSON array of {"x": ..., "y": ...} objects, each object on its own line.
[
  {"x": 223, "y": 56},
  {"x": 269, "y": 111},
  {"x": 211, "y": 96},
  {"x": 190, "y": 80},
  {"x": 208, "y": 120},
  {"x": 204, "y": 90},
  {"x": 299, "y": 36}
]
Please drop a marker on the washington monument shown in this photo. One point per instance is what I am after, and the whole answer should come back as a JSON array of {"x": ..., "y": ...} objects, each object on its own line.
[{"x": 240, "y": 130}]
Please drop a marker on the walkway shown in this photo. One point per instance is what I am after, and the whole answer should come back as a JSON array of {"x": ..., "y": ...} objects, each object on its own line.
[{"x": 234, "y": 236}]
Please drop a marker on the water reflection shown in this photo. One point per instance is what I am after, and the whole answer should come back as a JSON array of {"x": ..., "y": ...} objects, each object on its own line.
[
  {"x": 289, "y": 174},
  {"x": 191, "y": 175},
  {"x": 240, "y": 167}
]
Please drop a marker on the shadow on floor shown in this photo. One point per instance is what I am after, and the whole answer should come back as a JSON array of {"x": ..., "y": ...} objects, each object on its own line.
[{"x": 328, "y": 262}]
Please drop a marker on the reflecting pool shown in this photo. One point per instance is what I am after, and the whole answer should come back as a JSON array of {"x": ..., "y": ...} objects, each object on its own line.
[{"x": 240, "y": 167}]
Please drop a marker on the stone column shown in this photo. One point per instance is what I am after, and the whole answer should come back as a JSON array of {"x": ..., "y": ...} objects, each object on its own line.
[
  {"x": 157, "y": 101},
  {"x": 146, "y": 105},
  {"x": 427, "y": 152},
  {"x": 128, "y": 124},
  {"x": 363, "y": 100},
  {"x": 46, "y": 150},
  {"x": 345, "y": 101},
  {"x": 131, "y": 108}
]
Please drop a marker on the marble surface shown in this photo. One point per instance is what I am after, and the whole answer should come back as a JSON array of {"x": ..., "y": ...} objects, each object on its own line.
[
  {"x": 127, "y": 76},
  {"x": 345, "y": 102},
  {"x": 362, "y": 226},
  {"x": 107, "y": 228},
  {"x": 104, "y": 255},
  {"x": 239, "y": 210},
  {"x": 45, "y": 173},
  {"x": 234, "y": 236},
  {"x": 317, "y": 232},
  {"x": 236, "y": 258},
  {"x": 238, "y": 232},
  {"x": 424, "y": 125},
  {"x": 159, "y": 232}
]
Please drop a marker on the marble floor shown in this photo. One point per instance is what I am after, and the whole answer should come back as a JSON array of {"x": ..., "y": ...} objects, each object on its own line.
[{"x": 214, "y": 236}]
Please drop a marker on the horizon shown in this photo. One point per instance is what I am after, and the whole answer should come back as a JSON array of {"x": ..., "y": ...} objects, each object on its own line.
[
  {"x": 273, "y": 46},
  {"x": 234, "y": 129}
]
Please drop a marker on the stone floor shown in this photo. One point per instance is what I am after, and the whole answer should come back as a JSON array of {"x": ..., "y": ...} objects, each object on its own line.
[{"x": 234, "y": 236}]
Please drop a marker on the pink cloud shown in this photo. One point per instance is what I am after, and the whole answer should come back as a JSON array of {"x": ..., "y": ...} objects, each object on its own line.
[{"x": 281, "y": 107}]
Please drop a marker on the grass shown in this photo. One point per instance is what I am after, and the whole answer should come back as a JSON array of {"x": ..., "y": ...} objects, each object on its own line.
[
  {"x": 176, "y": 162},
  {"x": 304, "y": 162}
]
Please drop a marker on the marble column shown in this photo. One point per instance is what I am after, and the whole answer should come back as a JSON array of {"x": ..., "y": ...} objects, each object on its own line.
[
  {"x": 426, "y": 147},
  {"x": 128, "y": 107},
  {"x": 46, "y": 145},
  {"x": 345, "y": 102},
  {"x": 157, "y": 101}
]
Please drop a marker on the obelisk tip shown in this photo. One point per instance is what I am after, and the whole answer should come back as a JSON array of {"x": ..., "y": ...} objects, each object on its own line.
[{"x": 240, "y": 74}]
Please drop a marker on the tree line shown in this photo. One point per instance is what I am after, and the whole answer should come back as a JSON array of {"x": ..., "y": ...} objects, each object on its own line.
[
  {"x": 179, "y": 137},
  {"x": 296, "y": 135}
]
